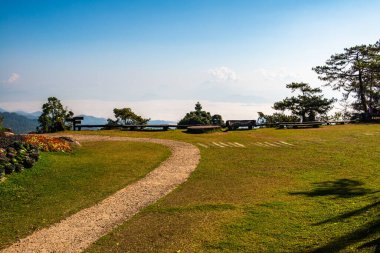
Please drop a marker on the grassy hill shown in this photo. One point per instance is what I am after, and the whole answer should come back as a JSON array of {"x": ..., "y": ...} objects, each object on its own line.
[
  {"x": 264, "y": 190},
  {"x": 320, "y": 195}
]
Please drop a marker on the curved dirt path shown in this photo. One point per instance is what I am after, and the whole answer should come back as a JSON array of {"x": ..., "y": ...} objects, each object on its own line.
[{"x": 77, "y": 232}]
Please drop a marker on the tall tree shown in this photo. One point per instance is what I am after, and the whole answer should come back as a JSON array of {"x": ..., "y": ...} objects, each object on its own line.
[
  {"x": 53, "y": 116},
  {"x": 308, "y": 104},
  {"x": 374, "y": 79},
  {"x": 355, "y": 72},
  {"x": 128, "y": 117}
]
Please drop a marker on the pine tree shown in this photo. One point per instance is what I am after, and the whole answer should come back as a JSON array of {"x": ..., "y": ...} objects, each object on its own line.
[
  {"x": 356, "y": 72},
  {"x": 308, "y": 104}
]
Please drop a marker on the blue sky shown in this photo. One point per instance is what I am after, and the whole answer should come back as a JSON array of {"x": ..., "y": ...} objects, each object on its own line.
[{"x": 160, "y": 57}]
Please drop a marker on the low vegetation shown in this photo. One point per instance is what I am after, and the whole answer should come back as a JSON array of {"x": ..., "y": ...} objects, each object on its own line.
[
  {"x": 19, "y": 152},
  {"x": 17, "y": 156},
  {"x": 61, "y": 184}
]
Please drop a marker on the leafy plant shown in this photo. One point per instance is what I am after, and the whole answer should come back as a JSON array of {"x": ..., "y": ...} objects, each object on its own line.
[{"x": 17, "y": 156}]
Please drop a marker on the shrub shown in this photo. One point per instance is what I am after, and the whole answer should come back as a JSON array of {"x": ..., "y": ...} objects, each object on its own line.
[
  {"x": 17, "y": 156},
  {"x": 199, "y": 117},
  {"x": 21, "y": 152}
]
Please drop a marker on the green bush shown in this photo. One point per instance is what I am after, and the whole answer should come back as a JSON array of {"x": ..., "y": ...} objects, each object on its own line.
[
  {"x": 199, "y": 117},
  {"x": 17, "y": 156}
]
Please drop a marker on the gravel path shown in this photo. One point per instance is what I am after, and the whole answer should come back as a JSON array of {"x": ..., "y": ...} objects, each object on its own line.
[{"x": 77, "y": 232}]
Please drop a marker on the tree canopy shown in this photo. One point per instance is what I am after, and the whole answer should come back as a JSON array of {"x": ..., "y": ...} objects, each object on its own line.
[
  {"x": 356, "y": 72},
  {"x": 307, "y": 105},
  {"x": 199, "y": 117},
  {"x": 127, "y": 117},
  {"x": 53, "y": 116}
]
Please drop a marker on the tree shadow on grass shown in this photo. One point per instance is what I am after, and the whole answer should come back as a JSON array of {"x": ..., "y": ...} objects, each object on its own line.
[
  {"x": 365, "y": 232},
  {"x": 341, "y": 188},
  {"x": 347, "y": 188}
]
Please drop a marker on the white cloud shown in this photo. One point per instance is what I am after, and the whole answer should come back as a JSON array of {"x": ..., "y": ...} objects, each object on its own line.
[
  {"x": 12, "y": 78},
  {"x": 222, "y": 74}
]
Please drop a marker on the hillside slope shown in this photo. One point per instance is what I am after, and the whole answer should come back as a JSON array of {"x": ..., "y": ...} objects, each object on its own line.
[{"x": 18, "y": 123}]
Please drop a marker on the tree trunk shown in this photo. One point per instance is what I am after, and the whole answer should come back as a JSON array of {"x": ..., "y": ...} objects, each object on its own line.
[{"x": 362, "y": 92}]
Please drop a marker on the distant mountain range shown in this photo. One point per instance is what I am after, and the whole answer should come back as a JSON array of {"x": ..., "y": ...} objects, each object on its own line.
[
  {"x": 29, "y": 115},
  {"x": 23, "y": 122},
  {"x": 19, "y": 123}
]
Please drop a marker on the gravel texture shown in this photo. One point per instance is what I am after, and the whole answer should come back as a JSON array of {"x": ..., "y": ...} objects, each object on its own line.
[{"x": 77, "y": 232}]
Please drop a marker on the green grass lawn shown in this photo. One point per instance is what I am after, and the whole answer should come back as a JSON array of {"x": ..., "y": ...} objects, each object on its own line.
[
  {"x": 321, "y": 195},
  {"x": 60, "y": 184}
]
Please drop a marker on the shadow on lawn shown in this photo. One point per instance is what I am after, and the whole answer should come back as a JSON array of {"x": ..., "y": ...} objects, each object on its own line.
[
  {"x": 341, "y": 188},
  {"x": 347, "y": 188}
]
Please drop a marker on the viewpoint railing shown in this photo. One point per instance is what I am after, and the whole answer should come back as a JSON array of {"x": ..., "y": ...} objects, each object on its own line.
[{"x": 164, "y": 127}]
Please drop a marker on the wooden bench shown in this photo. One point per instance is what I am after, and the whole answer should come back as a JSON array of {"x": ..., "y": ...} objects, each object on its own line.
[
  {"x": 75, "y": 121},
  {"x": 163, "y": 127},
  {"x": 295, "y": 125},
  {"x": 339, "y": 122},
  {"x": 236, "y": 124}
]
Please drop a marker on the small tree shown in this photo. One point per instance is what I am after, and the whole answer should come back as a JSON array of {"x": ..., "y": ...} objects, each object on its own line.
[
  {"x": 128, "y": 117},
  {"x": 217, "y": 120},
  {"x": 199, "y": 117},
  {"x": 1, "y": 122},
  {"x": 306, "y": 105},
  {"x": 53, "y": 116}
]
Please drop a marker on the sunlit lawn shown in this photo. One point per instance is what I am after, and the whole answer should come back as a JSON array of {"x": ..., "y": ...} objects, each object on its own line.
[
  {"x": 61, "y": 184},
  {"x": 320, "y": 195}
]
